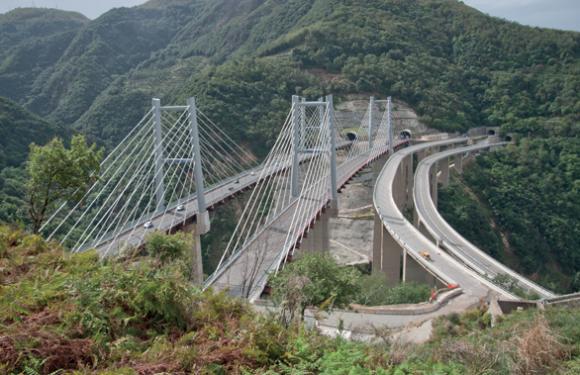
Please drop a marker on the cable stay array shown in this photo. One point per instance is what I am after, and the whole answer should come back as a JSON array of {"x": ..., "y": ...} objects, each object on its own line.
[
  {"x": 150, "y": 181},
  {"x": 177, "y": 161},
  {"x": 298, "y": 180}
]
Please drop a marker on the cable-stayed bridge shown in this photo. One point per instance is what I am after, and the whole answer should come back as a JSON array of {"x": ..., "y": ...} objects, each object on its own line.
[
  {"x": 306, "y": 175},
  {"x": 151, "y": 180},
  {"x": 177, "y": 162}
]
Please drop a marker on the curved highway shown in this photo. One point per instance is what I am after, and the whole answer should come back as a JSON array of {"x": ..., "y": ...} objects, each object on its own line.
[
  {"x": 448, "y": 238},
  {"x": 442, "y": 265}
]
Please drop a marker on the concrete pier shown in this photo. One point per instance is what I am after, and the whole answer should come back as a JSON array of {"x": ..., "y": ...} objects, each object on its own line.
[
  {"x": 386, "y": 254},
  {"x": 318, "y": 237},
  {"x": 433, "y": 184},
  {"x": 444, "y": 175},
  {"x": 458, "y": 163}
]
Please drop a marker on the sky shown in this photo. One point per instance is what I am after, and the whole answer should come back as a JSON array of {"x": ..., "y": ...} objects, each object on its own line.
[{"x": 559, "y": 14}]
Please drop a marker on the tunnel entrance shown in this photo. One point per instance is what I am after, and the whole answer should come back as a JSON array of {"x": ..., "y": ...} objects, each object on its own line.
[
  {"x": 405, "y": 134},
  {"x": 491, "y": 132},
  {"x": 351, "y": 136}
]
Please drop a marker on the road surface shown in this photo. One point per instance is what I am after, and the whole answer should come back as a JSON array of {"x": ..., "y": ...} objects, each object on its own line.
[{"x": 448, "y": 238}]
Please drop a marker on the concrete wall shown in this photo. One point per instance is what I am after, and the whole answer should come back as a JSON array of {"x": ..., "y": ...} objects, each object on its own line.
[
  {"x": 317, "y": 238},
  {"x": 387, "y": 253}
]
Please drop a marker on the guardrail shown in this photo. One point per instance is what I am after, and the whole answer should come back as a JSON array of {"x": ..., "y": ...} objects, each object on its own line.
[{"x": 447, "y": 237}]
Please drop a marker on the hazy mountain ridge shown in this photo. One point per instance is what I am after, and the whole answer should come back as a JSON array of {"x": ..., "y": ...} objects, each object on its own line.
[
  {"x": 19, "y": 128},
  {"x": 32, "y": 41}
]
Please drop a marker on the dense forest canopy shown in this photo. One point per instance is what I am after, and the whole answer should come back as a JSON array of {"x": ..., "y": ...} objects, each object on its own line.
[{"x": 458, "y": 67}]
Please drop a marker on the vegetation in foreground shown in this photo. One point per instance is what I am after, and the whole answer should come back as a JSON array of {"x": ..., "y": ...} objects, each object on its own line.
[
  {"x": 316, "y": 279},
  {"x": 77, "y": 314}
]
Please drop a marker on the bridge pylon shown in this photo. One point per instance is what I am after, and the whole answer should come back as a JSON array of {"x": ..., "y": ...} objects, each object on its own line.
[
  {"x": 159, "y": 156},
  {"x": 202, "y": 224},
  {"x": 333, "y": 171}
]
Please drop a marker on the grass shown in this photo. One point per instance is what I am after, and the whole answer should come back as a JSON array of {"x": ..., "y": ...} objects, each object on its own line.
[
  {"x": 140, "y": 315},
  {"x": 374, "y": 292},
  {"x": 510, "y": 284}
]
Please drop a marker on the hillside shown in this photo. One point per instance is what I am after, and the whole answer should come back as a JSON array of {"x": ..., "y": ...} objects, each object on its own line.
[
  {"x": 72, "y": 313},
  {"x": 18, "y": 129},
  {"x": 458, "y": 67},
  {"x": 32, "y": 41}
]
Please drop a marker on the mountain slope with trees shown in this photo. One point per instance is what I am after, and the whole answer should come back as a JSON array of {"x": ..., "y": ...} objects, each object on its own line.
[
  {"x": 18, "y": 129},
  {"x": 458, "y": 67},
  {"x": 33, "y": 40}
]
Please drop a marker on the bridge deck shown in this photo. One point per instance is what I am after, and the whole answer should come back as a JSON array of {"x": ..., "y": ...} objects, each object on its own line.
[
  {"x": 135, "y": 233},
  {"x": 442, "y": 265},
  {"x": 247, "y": 272},
  {"x": 456, "y": 244}
]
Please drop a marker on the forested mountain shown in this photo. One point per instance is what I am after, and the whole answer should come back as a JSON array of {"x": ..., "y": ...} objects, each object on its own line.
[
  {"x": 18, "y": 129},
  {"x": 32, "y": 41},
  {"x": 522, "y": 205},
  {"x": 455, "y": 65}
]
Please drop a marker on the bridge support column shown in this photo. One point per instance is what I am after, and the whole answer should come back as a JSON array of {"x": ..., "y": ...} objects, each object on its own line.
[
  {"x": 333, "y": 172},
  {"x": 444, "y": 168},
  {"x": 295, "y": 172},
  {"x": 159, "y": 157},
  {"x": 318, "y": 238},
  {"x": 403, "y": 184},
  {"x": 458, "y": 161},
  {"x": 415, "y": 273},
  {"x": 386, "y": 253},
  {"x": 433, "y": 184},
  {"x": 378, "y": 165},
  {"x": 202, "y": 224},
  {"x": 370, "y": 135}
]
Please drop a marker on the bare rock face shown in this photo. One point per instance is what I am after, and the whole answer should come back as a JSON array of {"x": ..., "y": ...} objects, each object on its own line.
[
  {"x": 406, "y": 118},
  {"x": 351, "y": 232}
]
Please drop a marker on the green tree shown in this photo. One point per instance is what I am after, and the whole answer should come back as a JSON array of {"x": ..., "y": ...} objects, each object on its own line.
[
  {"x": 57, "y": 173},
  {"x": 313, "y": 280}
]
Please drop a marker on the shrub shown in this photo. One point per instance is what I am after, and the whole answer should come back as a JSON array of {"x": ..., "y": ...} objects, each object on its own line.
[
  {"x": 116, "y": 301},
  {"x": 375, "y": 292},
  {"x": 8, "y": 238},
  {"x": 168, "y": 247},
  {"x": 538, "y": 351},
  {"x": 314, "y": 280}
]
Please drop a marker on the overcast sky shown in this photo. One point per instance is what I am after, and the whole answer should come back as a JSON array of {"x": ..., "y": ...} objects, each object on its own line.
[{"x": 560, "y": 14}]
